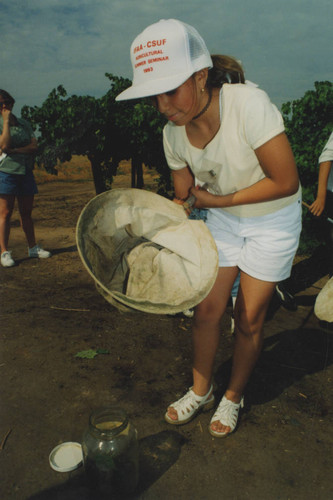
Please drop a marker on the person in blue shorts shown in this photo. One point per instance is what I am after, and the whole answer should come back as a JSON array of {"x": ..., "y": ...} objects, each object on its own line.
[{"x": 18, "y": 146}]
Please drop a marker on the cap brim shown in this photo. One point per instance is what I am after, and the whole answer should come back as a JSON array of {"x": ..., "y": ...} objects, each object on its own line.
[{"x": 152, "y": 88}]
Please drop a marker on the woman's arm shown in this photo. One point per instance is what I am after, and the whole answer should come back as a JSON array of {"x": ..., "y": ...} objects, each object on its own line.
[
  {"x": 277, "y": 161},
  {"x": 183, "y": 181},
  {"x": 318, "y": 205},
  {"x": 29, "y": 149},
  {"x": 5, "y": 136}
]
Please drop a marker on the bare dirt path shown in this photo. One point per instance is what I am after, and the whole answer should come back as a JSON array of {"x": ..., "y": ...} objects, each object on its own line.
[{"x": 50, "y": 311}]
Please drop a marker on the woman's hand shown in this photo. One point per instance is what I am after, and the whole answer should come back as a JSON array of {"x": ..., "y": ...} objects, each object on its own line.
[
  {"x": 6, "y": 114},
  {"x": 204, "y": 199},
  {"x": 182, "y": 202},
  {"x": 317, "y": 207}
]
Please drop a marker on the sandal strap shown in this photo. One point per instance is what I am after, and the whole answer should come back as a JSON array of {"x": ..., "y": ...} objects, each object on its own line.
[
  {"x": 190, "y": 403},
  {"x": 227, "y": 413}
]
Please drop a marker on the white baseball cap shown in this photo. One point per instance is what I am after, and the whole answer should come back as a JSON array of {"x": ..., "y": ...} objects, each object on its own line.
[{"x": 163, "y": 57}]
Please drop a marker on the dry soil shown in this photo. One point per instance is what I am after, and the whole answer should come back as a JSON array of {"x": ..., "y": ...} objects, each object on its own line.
[{"x": 50, "y": 311}]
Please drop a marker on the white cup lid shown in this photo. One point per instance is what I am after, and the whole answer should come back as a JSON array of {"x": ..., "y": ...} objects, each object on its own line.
[{"x": 66, "y": 457}]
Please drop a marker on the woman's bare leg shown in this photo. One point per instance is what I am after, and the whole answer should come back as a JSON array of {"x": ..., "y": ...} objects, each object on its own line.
[
  {"x": 25, "y": 207},
  {"x": 7, "y": 202},
  {"x": 206, "y": 331},
  {"x": 251, "y": 306}
]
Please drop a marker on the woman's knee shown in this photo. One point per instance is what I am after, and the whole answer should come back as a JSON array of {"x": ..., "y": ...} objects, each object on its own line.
[
  {"x": 6, "y": 213},
  {"x": 208, "y": 312},
  {"x": 249, "y": 323},
  {"x": 25, "y": 215}
]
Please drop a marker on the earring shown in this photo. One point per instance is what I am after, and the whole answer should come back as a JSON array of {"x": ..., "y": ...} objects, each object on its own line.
[{"x": 202, "y": 90}]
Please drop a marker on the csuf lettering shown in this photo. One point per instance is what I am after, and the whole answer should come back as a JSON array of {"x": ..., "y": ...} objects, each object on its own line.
[
  {"x": 156, "y": 43},
  {"x": 150, "y": 44}
]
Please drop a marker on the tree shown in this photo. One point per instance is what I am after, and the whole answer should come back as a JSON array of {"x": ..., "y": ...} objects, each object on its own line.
[
  {"x": 141, "y": 129},
  {"x": 74, "y": 125},
  {"x": 308, "y": 123},
  {"x": 104, "y": 130}
]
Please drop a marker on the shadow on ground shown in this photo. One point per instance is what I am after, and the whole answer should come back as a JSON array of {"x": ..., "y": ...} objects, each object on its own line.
[
  {"x": 57, "y": 251},
  {"x": 309, "y": 270},
  {"x": 286, "y": 358},
  {"x": 157, "y": 453}
]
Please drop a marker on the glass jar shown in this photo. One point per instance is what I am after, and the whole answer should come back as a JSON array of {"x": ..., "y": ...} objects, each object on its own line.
[{"x": 111, "y": 452}]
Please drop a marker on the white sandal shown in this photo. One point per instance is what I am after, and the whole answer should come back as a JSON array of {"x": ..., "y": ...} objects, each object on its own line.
[
  {"x": 226, "y": 413},
  {"x": 189, "y": 405}
]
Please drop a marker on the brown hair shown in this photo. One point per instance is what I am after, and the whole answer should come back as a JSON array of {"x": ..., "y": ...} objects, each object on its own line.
[
  {"x": 226, "y": 69},
  {"x": 7, "y": 97}
]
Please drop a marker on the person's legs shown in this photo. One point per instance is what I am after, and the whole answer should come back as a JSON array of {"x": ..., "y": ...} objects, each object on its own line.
[
  {"x": 252, "y": 302},
  {"x": 25, "y": 204},
  {"x": 7, "y": 202},
  {"x": 206, "y": 329},
  {"x": 206, "y": 332},
  {"x": 263, "y": 247}
]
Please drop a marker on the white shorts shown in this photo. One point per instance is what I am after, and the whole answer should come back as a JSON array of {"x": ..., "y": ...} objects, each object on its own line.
[{"x": 263, "y": 247}]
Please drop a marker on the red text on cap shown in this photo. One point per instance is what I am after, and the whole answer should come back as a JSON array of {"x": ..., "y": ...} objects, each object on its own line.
[{"x": 149, "y": 44}]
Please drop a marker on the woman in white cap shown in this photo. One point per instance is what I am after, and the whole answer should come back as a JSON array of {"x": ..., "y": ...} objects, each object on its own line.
[{"x": 225, "y": 133}]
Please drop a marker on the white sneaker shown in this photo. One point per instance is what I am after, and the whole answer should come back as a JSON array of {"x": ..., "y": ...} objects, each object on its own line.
[
  {"x": 39, "y": 252},
  {"x": 232, "y": 324},
  {"x": 189, "y": 313},
  {"x": 6, "y": 259},
  {"x": 232, "y": 320}
]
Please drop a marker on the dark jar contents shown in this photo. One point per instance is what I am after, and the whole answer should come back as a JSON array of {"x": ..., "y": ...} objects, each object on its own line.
[{"x": 111, "y": 452}]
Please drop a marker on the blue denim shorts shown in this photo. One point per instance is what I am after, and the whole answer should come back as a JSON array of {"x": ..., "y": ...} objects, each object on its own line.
[{"x": 18, "y": 185}]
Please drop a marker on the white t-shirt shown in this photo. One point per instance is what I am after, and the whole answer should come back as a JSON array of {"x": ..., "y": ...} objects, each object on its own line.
[
  {"x": 327, "y": 155},
  {"x": 228, "y": 163}
]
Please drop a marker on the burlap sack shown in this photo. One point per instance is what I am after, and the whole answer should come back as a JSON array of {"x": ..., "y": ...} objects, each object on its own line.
[{"x": 144, "y": 253}]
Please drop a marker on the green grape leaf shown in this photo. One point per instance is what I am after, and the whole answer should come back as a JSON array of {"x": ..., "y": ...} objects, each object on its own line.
[{"x": 90, "y": 354}]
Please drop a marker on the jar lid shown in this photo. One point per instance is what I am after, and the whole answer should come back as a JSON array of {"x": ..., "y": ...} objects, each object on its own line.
[{"x": 66, "y": 457}]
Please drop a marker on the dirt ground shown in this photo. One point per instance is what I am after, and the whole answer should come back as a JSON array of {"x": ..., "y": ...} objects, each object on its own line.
[{"x": 50, "y": 311}]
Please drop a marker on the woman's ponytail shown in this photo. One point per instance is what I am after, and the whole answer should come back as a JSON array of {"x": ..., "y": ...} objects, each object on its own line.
[{"x": 225, "y": 69}]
